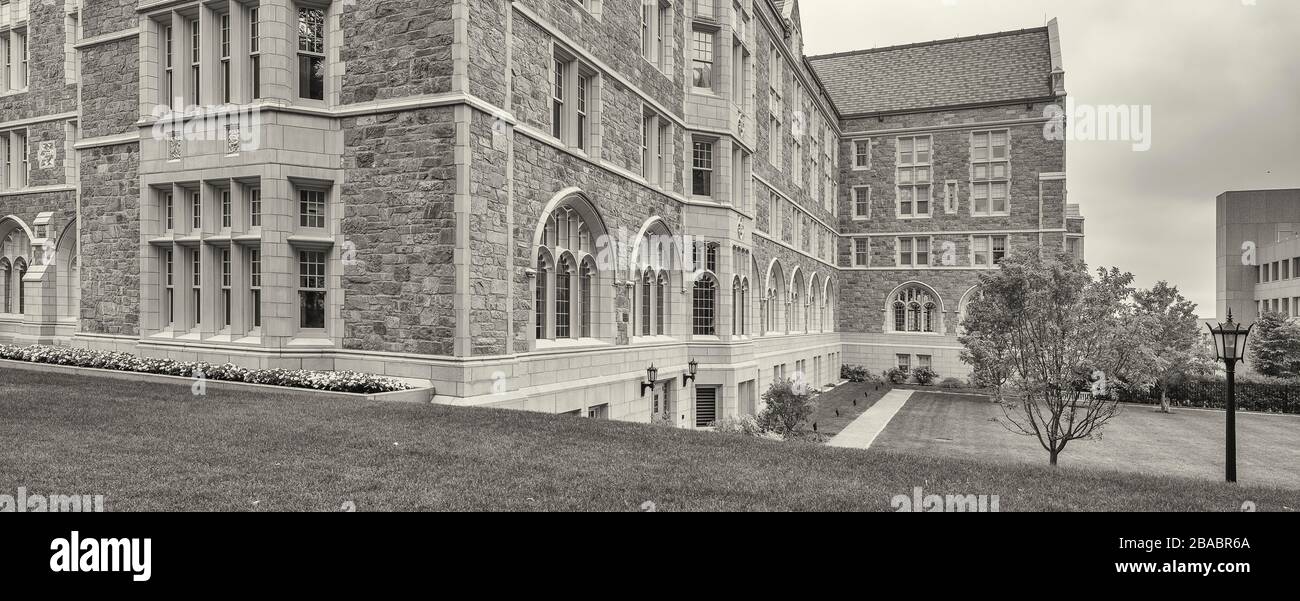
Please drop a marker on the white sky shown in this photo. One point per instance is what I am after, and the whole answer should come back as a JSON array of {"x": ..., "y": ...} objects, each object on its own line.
[{"x": 1222, "y": 78}]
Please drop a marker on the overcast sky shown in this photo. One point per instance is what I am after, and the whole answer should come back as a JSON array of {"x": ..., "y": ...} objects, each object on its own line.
[{"x": 1222, "y": 78}]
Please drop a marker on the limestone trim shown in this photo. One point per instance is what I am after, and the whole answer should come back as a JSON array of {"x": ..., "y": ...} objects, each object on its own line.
[
  {"x": 105, "y": 38},
  {"x": 871, "y": 133}
]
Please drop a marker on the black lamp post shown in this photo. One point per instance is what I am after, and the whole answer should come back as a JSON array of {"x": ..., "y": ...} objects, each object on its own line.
[
  {"x": 689, "y": 376},
  {"x": 651, "y": 374},
  {"x": 1230, "y": 347}
]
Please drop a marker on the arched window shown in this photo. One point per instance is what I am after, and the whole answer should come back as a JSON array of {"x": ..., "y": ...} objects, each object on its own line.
[
  {"x": 915, "y": 310},
  {"x": 661, "y": 303},
  {"x": 830, "y": 307},
  {"x": 704, "y": 307},
  {"x": 796, "y": 302},
  {"x": 566, "y": 284},
  {"x": 777, "y": 299},
  {"x": 6, "y": 272},
  {"x": 584, "y": 294},
  {"x": 21, "y": 266},
  {"x": 963, "y": 307},
  {"x": 744, "y": 307},
  {"x": 563, "y": 299},
  {"x": 814, "y": 304},
  {"x": 735, "y": 306},
  {"x": 647, "y": 302},
  {"x": 541, "y": 300}
]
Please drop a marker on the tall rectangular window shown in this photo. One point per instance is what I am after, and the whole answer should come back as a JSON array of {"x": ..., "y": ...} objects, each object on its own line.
[
  {"x": 255, "y": 51},
  {"x": 225, "y": 58},
  {"x": 990, "y": 172},
  {"x": 20, "y": 45},
  {"x": 169, "y": 63},
  {"x": 196, "y": 286},
  {"x": 225, "y": 285},
  {"x": 226, "y": 209},
  {"x": 311, "y": 53},
  {"x": 169, "y": 300},
  {"x": 862, "y": 201},
  {"x": 862, "y": 154},
  {"x": 702, "y": 168},
  {"x": 583, "y": 90},
  {"x": 255, "y": 285},
  {"x": 195, "y": 57},
  {"x": 913, "y": 176},
  {"x": 169, "y": 211},
  {"x": 196, "y": 210},
  {"x": 702, "y": 43},
  {"x": 311, "y": 289},
  {"x": 255, "y": 207},
  {"x": 557, "y": 98},
  {"x": 311, "y": 208},
  {"x": 861, "y": 252}
]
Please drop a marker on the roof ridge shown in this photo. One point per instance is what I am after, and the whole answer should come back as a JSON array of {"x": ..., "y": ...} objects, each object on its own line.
[{"x": 982, "y": 36}]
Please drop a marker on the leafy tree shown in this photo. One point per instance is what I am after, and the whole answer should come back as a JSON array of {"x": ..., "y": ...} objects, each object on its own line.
[
  {"x": 1275, "y": 346},
  {"x": 787, "y": 409},
  {"x": 1171, "y": 346},
  {"x": 1050, "y": 330}
]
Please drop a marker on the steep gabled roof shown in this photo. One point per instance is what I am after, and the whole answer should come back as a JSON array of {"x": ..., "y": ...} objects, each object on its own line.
[{"x": 1008, "y": 66}]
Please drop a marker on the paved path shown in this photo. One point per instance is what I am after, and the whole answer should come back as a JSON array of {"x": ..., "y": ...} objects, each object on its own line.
[{"x": 864, "y": 430}]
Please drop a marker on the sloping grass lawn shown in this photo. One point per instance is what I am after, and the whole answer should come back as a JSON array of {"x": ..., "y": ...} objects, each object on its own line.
[
  {"x": 1186, "y": 443},
  {"x": 157, "y": 447}
]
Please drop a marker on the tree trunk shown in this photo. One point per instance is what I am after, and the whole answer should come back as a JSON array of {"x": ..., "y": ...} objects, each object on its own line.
[
  {"x": 1054, "y": 454},
  {"x": 1164, "y": 400}
]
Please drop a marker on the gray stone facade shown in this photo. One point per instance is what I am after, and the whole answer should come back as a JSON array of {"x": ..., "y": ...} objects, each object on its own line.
[{"x": 432, "y": 152}]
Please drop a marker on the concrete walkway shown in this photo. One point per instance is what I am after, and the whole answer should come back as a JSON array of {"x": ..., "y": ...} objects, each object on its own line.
[{"x": 864, "y": 430}]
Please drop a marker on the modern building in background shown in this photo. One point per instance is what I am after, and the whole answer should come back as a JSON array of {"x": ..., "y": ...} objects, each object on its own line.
[
  {"x": 1257, "y": 253},
  {"x": 526, "y": 203}
]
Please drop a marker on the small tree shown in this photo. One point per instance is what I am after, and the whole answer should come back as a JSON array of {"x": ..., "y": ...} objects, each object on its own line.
[
  {"x": 1275, "y": 346},
  {"x": 1051, "y": 330},
  {"x": 1171, "y": 342},
  {"x": 788, "y": 407}
]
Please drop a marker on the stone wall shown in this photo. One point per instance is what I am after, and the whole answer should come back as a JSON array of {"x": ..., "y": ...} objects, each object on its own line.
[
  {"x": 396, "y": 49},
  {"x": 110, "y": 239},
  {"x": 399, "y": 215},
  {"x": 110, "y": 93},
  {"x": 99, "y": 17}
]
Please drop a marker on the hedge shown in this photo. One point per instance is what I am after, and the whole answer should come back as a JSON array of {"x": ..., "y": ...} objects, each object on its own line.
[
  {"x": 1212, "y": 394},
  {"x": 332, "y": 381}
]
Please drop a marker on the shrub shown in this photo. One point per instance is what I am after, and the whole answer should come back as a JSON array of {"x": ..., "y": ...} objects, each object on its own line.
[
  {"x": 924, "y": 375},
  {"x": 895, "y": 375},
  {"x": 786, "y": 411},
  {"x": 856, "y": 373},
  {"x": 951, "y": 382},
  {"x": 332, "y": 381},
  {"x": 744, "y": 425},
  {"x": 1270, "y": 396}
]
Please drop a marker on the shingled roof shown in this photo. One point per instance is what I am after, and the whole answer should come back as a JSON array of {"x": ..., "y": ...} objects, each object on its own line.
[{"x": 1008, "y": 66}]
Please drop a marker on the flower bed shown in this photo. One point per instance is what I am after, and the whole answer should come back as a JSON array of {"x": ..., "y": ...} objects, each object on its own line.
[{"x": 331, "y": 381}]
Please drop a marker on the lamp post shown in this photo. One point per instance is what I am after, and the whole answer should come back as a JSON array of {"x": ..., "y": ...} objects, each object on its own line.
[{"x": 1230, "y": 347}]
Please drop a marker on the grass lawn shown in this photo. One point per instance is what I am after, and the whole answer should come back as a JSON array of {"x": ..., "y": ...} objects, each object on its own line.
[
  {"x": 156, "y": 447},
  {"x": 842, "y": 399},
  {"x": 1187, "y": 442}
]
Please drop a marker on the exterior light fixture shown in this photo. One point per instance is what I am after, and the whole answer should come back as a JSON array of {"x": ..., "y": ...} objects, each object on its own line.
[
  {"x": 1230, "y": 347},
  {"x": 651, "y": 374},
  {"x": 689, "y": 376}
]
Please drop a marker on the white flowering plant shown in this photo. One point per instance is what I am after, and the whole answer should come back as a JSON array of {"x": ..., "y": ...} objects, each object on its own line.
[{"x": 332, "y": 381}]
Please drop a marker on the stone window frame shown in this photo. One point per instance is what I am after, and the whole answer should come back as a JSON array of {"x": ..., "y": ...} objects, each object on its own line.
[
  {"x": 914, "y": 165},
  {"x": 991, "y": 261},
  {"x": 579, "y": 85},
  {"x": 913, "y": 252},
  {"x": 15, "y": 154},
  {"x": 951, "y": 197},
  {"x": 860, "y": 253},
  {"x": 712, "y": 32},
  {"x": 855, "y": 199},
  {"x": 1078, "y": 238},
  {"x": 548, "y": 255},
  {"x": 713, "y": 144},
  {"x": 658, "y": 22},
  {"x": 15, "y": 60},
  {"x": 656, "y": 148},
  {"x": 226, "y": 60},
  {"x": 989, "y": 181},
  {"x": 922, "y": 310},
  {"x": 304, "y": 257},
  {"x": 858, "y": 154},
  {"x": 298, "y": 53}
]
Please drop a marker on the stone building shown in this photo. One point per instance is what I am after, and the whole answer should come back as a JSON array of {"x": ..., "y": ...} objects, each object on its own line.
[
  {"x": 1257, "y": 253},
  {"x": 527, "y": 203}
]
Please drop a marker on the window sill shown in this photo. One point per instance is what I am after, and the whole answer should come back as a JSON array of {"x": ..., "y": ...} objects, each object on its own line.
[
  {"x": 912, "y": 217},
  {"x": 652, "y": 339},
  {"x": 311, "y": 338},
  {"x": 547, "y": 344},
  {"x": 1002, "y": 214}
]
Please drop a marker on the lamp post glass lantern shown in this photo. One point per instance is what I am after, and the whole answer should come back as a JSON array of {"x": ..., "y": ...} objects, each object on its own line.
[
  {"x": 651, "y": 376},
  {"x": 689, "y": 376},
  {"x": 1230, "y": 347}
]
